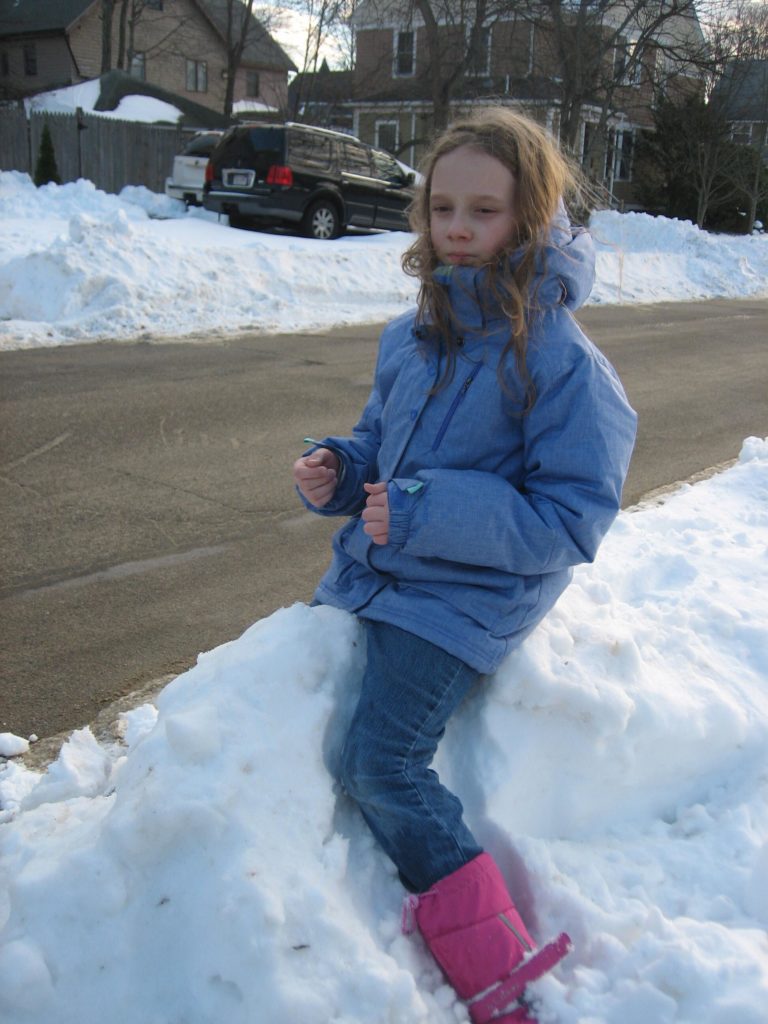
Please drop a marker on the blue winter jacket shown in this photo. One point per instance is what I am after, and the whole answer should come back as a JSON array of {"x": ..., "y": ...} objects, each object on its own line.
[{"x": 489, "y": 508}]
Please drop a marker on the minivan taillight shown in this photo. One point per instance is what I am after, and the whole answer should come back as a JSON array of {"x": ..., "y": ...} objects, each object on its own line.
[
  {"x": 208, "y": 173},
  {"x": 278, "y": 174}
]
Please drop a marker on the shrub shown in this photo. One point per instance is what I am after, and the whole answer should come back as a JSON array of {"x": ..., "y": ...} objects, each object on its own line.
[{"x": 46, "y": 169}]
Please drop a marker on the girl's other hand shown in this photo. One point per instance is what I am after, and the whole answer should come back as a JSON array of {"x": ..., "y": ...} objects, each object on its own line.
[
  {"x": 317, "y": 475},
  {"x": 376, "y": 513}
]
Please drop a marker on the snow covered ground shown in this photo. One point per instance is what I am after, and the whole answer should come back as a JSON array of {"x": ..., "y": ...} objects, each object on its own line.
[
  {"x": 207, "y": 869},
  {"x": 77, "y": 264}
]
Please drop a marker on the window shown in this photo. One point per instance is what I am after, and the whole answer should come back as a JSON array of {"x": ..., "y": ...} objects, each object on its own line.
[
  {"x": 202, "y": 144},
  {"x": 30, "y": 59},
  {"x": 387, "y": 135},
  {"x": 252, "y": 83},
  {"x": 5, "y": 68},
  {"x": 138, "y": 68},
  {"x": 480, "y": 60},
  {"x": 405, "y": 54},
  {"x": 626, "y": 62},
  {"x": 618, "y": 155},
  {"x": 309, "y": 149},
  {"x": 741, "y": 133},
  {"x": 197, "y": 76},
  {"x": 355, "y": 159},
  {"x": 387, "y": 168},
  {"x": 155, "y": 5}
]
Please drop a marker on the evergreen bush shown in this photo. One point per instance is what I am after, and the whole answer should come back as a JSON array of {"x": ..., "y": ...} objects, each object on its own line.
[{"x": 46, "y": 169}]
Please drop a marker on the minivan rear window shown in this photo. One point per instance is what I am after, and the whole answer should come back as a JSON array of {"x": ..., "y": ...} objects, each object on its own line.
[
  {"x": 267, "y": 139},
  {"x": 268, "y": 144},
  {"x": 201, "y": 145},
  {"x": 257, "y": 148}
]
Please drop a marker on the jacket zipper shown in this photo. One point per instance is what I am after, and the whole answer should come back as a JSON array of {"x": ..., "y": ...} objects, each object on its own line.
[{"x": 454, "y": 406}]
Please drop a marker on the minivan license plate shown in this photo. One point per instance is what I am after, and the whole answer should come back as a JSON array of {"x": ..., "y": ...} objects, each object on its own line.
[{"x": 239, "y": 179}]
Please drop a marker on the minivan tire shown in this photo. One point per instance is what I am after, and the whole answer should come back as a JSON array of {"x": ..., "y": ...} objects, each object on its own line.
[{"x": 322, "y": 220}]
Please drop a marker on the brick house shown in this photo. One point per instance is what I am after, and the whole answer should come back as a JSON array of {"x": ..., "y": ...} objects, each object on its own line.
[
  {"x": 514, "y": 63},
  {"x": 178, "y": 45}
]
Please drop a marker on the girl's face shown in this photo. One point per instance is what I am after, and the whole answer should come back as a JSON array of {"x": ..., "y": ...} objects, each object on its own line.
[{"x": 471, "y": 207}]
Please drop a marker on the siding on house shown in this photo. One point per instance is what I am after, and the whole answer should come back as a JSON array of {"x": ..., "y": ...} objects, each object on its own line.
[
  {"x": 273, "y": 87},
  {"x": 53, "y": 62},
  {"x": 85, "y": 43}
]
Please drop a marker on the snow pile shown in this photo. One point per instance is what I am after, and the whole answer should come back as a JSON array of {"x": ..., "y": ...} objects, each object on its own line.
[
  {"x": 79, "y": 265},
  {"x": 615, "y": 766},
  {"x": 85, "y": 95},
  {"x": 654, "y": 259},
  {"x": 12, "y": 746}
]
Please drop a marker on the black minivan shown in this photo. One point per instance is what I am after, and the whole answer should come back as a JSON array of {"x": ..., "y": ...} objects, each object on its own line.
[{"x": 294, "y": 174}]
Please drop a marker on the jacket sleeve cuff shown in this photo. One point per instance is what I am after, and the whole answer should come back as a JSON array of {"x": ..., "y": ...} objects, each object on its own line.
[
  {"x": 337, "y": 505},
  {"x": 402, "y": 496}
]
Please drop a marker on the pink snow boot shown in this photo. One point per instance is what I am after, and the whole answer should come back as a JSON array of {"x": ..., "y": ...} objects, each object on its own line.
[{"x": 475, "y": 933}]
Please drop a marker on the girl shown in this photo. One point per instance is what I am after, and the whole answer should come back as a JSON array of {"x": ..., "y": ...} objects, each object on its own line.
[{"x": 488, "y": 461}]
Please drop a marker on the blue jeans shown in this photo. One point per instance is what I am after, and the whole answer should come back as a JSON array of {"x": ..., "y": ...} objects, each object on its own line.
[{"x": 410, "y": 689}]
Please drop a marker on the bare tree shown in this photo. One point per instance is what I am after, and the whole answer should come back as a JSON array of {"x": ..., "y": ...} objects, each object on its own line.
[
  {"x": 238, "y": 25},
  {"x": 582, "y": 52},
  {"x": 107, "y": 14},
  {"x": 324, "y": 18},
  {"x": 168, "y": 37},
  {"x": 605, "y": 49},
  {"x": 457, "y": 34}
]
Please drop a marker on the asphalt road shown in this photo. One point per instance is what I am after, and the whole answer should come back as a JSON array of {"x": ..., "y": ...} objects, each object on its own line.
[{"x": 147, "y": 508}]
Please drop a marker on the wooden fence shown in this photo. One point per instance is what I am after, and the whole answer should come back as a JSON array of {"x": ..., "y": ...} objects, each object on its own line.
[{"x": 108, "y": 152}]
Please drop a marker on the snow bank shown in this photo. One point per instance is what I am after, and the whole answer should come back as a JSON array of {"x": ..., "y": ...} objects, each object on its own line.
[
  {"x": 615, "y": 766},
  {"x": 654, "y": 259},
  {"x": 77, "y": 264}
]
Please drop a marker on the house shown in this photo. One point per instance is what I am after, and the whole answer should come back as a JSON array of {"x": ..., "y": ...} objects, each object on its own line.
[
  {"x": 323, "y": 98},
  {"x": 518, "y": 57},
  {"x": 742, "y": 95},
  {"x": 177, "y": 45}
]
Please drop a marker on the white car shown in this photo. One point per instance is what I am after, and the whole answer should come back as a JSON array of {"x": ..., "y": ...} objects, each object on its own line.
[{"x": 188, "y": 177}]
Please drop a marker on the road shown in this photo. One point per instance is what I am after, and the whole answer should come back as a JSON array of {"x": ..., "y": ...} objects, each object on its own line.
[{"x": 147, "y": 507}]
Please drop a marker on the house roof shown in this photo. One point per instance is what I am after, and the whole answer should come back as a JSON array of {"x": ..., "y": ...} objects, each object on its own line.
[
  {"x": 260, "y": 47},
  {"x": 24, "y": 17},
  {"x": 324, "y": 85}
]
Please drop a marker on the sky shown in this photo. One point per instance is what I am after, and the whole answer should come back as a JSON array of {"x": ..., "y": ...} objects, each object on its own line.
[
  {"x": 290, "y": 28},
  {"x": 203, "y": 866}
]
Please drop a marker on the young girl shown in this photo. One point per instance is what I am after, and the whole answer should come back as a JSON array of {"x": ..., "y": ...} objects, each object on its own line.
[{"x": 488, "y": 461}]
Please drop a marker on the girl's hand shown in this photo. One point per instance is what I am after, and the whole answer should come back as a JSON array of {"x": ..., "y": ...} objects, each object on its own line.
[
  {"x": 316, "y": 476},
  {"x": 376, "y": 513}
]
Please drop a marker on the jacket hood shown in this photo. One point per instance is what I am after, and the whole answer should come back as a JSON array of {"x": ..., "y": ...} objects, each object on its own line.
[{"x": 565, "y": 274}]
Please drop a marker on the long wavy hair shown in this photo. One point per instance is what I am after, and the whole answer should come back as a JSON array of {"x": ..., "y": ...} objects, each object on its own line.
[{"x": 543, "y": 176}]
